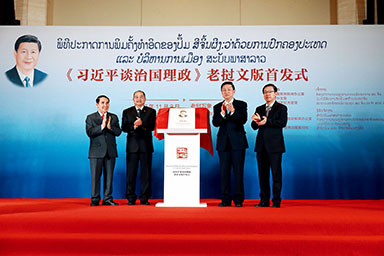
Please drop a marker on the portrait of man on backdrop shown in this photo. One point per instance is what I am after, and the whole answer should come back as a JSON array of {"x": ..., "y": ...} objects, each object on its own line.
[{"x": 27, "y": 52}]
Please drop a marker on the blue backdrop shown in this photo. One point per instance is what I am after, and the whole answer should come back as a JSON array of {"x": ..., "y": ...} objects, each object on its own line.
[{"x": 330, "y": 77}]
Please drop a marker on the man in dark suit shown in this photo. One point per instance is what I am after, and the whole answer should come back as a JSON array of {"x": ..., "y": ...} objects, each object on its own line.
[
  {"x": 102, "y": 129},
  {"x": 230, "y": 116},
  {"x": 27, "y": 53},
  {"x": 270, "y": 119},
  {"x": 139, "y": 122}
]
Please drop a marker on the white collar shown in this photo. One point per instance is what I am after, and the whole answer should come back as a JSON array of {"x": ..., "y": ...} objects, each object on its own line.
[
  {"x": 226, "y": 103},
  {"x": 270, "y": 105}
]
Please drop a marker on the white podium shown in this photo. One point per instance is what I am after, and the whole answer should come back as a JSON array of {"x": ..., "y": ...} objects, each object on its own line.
[{"x": 181, "y": 160}]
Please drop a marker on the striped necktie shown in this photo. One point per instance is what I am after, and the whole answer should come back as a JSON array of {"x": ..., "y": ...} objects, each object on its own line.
[{"x": 268, "y": 108}]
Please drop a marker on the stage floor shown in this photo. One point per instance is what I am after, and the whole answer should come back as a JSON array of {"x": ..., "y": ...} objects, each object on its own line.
[{"x": 300, "y": 227}]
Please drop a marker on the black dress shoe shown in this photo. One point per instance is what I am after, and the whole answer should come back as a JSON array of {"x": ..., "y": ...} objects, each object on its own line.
[
  {"x": 239, "y": 205},
  {"x": 131, "y": 202},
  {"x": 94, "y": 203},
  {"x": 262, "y": 205},
  {"x": 110, "y": 202},
  {"x": 224, "y": 204},
  {"x": 144, "y": 203},
  {"x": 276, "y": 205}
]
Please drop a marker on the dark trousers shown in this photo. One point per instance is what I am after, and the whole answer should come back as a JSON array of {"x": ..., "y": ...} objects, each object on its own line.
[
  {"x": 100, "y": 166},
  {"x": 133, "y": 159},
  {"x": 269, "y": 161},
  {"x": 232, "y": 159}
]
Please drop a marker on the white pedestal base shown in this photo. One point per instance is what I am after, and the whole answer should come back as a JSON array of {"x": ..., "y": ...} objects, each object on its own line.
[
  {"x": 185, "y": 205},
  {"x": 182, "y": 170}
]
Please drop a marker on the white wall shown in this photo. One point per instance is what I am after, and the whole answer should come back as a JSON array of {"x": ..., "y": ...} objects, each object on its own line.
[{"x": 188, "y": 12}]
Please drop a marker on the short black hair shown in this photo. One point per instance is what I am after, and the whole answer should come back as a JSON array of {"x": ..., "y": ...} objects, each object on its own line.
[
  {"x": 101, "y": 96},
  {"x": 139, "y": 91},
  {"x": 27, "y": 39},
  {"x": 227, "y": 82},
  {"x": 267, "y": 85}
]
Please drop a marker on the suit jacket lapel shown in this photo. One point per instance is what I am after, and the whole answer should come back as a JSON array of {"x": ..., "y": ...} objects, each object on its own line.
[
  {"x": 132, "y": 113},
  {"x": 143, "y": 112},
  {"x": 98, "y": 117},
  {"x": 263, "y": 111},
  {"x": 15, "y": 78},
  {"x": 107, "y": 116},
  {"x": 273, "y": 109}
]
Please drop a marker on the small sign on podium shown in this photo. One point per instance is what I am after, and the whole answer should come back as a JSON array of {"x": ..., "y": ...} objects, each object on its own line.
[{"x": 181, "y": 118}]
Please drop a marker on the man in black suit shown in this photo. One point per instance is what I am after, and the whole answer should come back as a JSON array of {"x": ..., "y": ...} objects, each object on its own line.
[
  {"x": 230, "y": 116},
  {"x": 27, "y": 53},
  {"x": 270, "y": 119},
  {"x": 139, "y": 122},
  {"x": 102, "y": 129}
]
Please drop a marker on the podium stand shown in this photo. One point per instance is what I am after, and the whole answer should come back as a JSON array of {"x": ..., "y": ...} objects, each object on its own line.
[{"x": 181, "y": 160}]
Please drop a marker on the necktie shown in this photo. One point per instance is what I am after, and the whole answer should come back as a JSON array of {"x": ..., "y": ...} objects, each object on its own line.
[
  {"x": 102, "y": 117},
  {"x": 139, "y": 113},
  {"x": 27, "y": 84},
  {"x": 267, "y": 110},
  {"x": 225, "y": 108}
]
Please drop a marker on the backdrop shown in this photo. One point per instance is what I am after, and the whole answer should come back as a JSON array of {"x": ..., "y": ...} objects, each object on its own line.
[{"x": 330, "y": 78}]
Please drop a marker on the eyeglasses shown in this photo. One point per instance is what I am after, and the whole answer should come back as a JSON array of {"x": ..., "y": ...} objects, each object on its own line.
[{"x": 267, "y": 92}]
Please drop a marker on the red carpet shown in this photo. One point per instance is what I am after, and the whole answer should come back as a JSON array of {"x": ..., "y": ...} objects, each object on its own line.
[{"x": 300, "y": 227}]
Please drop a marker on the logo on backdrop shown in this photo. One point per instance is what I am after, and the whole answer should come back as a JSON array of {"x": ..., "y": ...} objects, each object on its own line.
[{"x": 181, "y": 153}]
